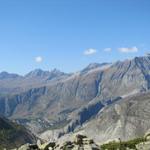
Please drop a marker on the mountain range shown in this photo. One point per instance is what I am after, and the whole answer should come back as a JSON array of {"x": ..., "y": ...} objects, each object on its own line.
[{"x": 109, "y": 98}]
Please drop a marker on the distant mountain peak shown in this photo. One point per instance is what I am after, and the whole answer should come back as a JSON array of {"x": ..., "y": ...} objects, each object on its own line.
[
  {"x": 147, "y": 54},
  {"x": 92, "y": 66},
  {"x": 55, "y": 71},
  {"x": 45, "y": 74},
  {"x": 37, "y": 73},
  {"x": 6, "y": 75}
]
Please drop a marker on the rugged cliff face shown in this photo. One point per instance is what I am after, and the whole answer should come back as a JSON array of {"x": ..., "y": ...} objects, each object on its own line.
[
  {"x": 52, "y": 102},
  {"x": 125, "y": 119},
  {"x": 45, "y": 100}
]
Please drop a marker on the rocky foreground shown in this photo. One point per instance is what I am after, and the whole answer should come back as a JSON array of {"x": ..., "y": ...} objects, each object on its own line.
[
  {"x": 79, "y": 142},
  {"x": 82, "y": 142}
]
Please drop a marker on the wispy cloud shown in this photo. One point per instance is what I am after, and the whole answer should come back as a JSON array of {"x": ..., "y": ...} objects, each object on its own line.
[
  {"x": 90, "y": 51},
  {"x": 38, "y": 59},
  {"x": 128, "y": 49},
  {"x": 107, "y": 49}
]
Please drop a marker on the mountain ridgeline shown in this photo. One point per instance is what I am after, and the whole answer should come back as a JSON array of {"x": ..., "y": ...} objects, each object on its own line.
[{"x": 46, "y": 101}]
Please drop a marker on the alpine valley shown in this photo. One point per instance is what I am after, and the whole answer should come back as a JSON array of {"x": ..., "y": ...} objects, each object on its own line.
[{"x": 104, "y": 102}]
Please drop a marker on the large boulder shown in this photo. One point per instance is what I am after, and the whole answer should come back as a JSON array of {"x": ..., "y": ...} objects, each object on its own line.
[
  {"x": 47, "y": 146},
  {"x": 143, "y": 146},
  {"x": 28, "y": 147},
  {"x": 79, "y": 139},
  {"x": 147, "y": 136}
]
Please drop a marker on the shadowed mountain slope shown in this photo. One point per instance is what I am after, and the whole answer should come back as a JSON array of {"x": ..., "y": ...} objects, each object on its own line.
[{"x": 13, "y": 135}]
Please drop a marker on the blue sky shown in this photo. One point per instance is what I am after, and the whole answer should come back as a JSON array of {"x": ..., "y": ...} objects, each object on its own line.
[{"x": 70, "y": 34}]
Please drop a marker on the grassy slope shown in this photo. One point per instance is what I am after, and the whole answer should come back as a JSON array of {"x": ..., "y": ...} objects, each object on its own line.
[{"x": 122, "y": 145}]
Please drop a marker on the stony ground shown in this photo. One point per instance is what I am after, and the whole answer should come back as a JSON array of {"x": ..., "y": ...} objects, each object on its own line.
[{"x": 82, "y": 142}]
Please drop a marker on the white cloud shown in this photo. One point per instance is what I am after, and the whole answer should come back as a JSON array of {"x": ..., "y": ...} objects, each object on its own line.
[
  {"x": 90, "y": 51},
  {"x": 128, "y": 49},
  {"x": 107, "y": 49},
  {"x": 38, "y": 59}
]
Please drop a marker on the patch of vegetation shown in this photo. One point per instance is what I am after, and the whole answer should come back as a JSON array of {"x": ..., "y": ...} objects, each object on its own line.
[{"x": 123, "y": 145}]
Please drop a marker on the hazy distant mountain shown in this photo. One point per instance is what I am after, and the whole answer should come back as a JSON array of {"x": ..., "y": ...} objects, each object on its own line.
[
  {"x": 51, "y": 100},
  {"x": 6, "y": 75},
  {"x": 37, "y": 73},
  {"x": 44, "y": 74},
  {"x": 13, "y": 83}
]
